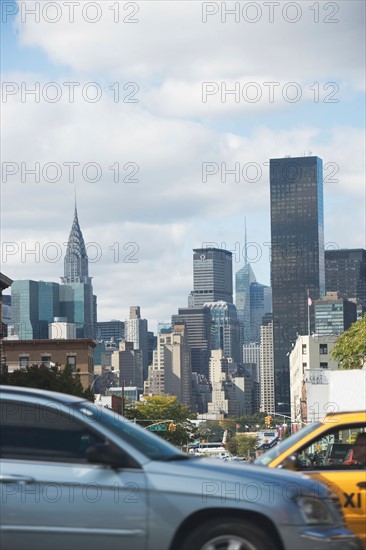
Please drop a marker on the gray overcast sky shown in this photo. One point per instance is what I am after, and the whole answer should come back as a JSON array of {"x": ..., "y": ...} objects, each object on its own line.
[{"x": 132, "y": 106}]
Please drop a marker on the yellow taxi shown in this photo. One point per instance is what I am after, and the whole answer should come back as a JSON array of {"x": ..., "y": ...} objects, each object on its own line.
[{"x": 323, "y": 450}]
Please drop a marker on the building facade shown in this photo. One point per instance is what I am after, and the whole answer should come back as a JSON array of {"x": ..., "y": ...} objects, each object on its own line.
[
  {"x": 177, "y": 365},
  {"x": 333, "y": 314},
  {"x": 198, "y": 322},
  {"x": 260, "y": 304},
  {"x": 297, "y": 255},
  {"x": 212, "y": 276},
  {"x": 310, "y": 360},
  {"x": 127, "y": 361},
  {"x": 267, "y": 375},
  {"x": 5, "y": 282},
  {"x": 136, "y": 331},
  {"x": 34, "y": 306},
  {"x": 111, "y": 330},
  {"x": 76, "y": 353},
  {"x": 345, "y": 272},
  {"x": 226, "y": 329}
]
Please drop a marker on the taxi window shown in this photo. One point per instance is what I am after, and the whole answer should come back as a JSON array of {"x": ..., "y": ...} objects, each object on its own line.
[{"x": 331, "y": 451}]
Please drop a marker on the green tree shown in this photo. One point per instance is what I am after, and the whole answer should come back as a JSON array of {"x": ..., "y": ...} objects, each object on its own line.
[
  {"x": 350, "y": 348},
  {"x": 48, "y": 378},
  {"x": 165, "y": 408},
  {"x": 242, "y": 445}
]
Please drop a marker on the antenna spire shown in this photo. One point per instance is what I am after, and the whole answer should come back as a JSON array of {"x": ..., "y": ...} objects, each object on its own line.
[
  {"x": 75, "y": 197},
  {"x": 245, "y": 242}
]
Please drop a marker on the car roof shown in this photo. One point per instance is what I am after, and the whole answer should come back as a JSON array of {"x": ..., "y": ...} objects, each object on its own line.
[
  {"x": 47, "y": 394},
  {"x": 348, "y": 416}
]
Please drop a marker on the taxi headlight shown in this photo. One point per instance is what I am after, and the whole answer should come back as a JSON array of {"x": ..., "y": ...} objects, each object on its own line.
[{"x": 315, "y": 511}]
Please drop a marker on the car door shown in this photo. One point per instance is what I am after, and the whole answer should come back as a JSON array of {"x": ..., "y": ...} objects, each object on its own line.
[
  {"x": 52, "y": 497},
  {"x": 347, "y": 481},
  {"x": 349, "y": 484}
]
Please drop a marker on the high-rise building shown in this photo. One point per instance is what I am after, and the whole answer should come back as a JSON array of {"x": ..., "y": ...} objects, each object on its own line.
[
  {"x": 34, "y": 306},
  {"x": 334, "y": 314},
  {"x": 128, "y": 362},
  {"x": 76, "y": 263},
  {"x": 267, "y": 375},
  {"x": 77, "y": 305},
  {"x": 199, "y": 334},
  {"x": 244, "y": 277},
  {"x": 297, "y": 255},
  {"x": 260, "y": 304},
  {"x": 136, "y": 332},
  {"x": 226, "y": 329},
  {"x": 177, "y": 365},
  {"x": 212, "y": 276},
  {"x": 345, "y": 272},
  {"x": 79, "y": 302},
  {"x": 111, "y": 330}
]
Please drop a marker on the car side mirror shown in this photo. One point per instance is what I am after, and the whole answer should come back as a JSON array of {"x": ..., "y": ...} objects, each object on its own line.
[
  {"x": 291, "y": 463},
  {"x": 105, "y": 453}
]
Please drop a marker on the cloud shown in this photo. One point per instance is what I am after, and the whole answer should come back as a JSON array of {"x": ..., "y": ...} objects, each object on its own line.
[{"x": 200, "y": 167}]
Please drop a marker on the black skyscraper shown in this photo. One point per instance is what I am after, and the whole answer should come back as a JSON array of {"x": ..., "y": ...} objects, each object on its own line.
[
  {"x": 297, "y": 255},
  {"x": 345, "y": 272}
]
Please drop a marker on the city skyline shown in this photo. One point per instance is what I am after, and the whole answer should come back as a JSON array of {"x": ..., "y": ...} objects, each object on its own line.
[{"x": 186, "y": 163}]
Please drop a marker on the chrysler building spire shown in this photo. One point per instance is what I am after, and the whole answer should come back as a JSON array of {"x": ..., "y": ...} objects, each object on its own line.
[{"x": 76, "y": 263}]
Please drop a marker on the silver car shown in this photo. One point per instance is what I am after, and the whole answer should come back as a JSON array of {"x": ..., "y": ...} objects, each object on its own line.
[{"x": 76, "y": 476}]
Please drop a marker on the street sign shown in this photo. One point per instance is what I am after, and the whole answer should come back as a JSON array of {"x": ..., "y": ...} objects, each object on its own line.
[{"x": 158, "y": 428}]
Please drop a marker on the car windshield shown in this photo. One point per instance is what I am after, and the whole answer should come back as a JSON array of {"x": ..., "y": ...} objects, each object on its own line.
[
  {"x": 267, "y": 457},
  {"x": 150, "y": 445}
]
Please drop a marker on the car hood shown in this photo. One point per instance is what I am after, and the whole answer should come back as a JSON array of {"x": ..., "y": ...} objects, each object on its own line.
[{"x": 214, "y": 470}]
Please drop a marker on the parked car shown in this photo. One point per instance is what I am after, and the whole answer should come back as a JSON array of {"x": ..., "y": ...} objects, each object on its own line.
[
  {"x": 76, "y": 476},
  {"x": 319, "y": 450}
]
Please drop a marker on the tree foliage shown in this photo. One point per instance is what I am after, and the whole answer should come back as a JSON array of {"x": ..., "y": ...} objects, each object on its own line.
[
  {"x": 350, "y": 348},
  {"x": 165, "y": 408},
  {"x": 48, "y": 378},
  {"x": 242, "y": 445}
]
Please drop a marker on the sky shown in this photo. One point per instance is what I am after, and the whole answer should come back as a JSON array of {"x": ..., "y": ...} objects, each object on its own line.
[{"x": 161, "y": 118}]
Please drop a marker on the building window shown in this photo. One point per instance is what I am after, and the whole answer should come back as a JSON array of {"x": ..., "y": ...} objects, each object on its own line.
[
  {"x": 71, "y": 360},
  {"x": 304, "y": 349},
  {"x": 23, "y": 361},
  {"x": 45, "y": 360},
  {"x": 323, "y": 349},
  {"x": 323, "y": 365}
]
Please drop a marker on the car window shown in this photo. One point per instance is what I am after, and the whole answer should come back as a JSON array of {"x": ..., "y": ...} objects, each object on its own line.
[
  {"x": 286, "y": 444},
  {"x": 145, "y": 442},
  {"x": 330, "y": 451},
  {"x": 34, "y": 432}
]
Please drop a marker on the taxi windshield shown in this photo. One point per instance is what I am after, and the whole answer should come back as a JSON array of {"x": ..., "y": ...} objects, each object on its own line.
[{"x": 267, "y": 457}]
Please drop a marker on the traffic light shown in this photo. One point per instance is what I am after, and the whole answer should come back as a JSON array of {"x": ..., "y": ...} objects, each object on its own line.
[
  {"x": 268, "y": 420},
  {"x": 172, "y": 427}
]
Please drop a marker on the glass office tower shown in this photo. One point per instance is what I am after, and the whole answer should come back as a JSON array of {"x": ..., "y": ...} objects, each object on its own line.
[{"x": 297, "y": 256}]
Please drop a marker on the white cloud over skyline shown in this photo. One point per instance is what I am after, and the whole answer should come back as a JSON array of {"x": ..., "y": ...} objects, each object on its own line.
[{"x": 164, "y": 139}]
